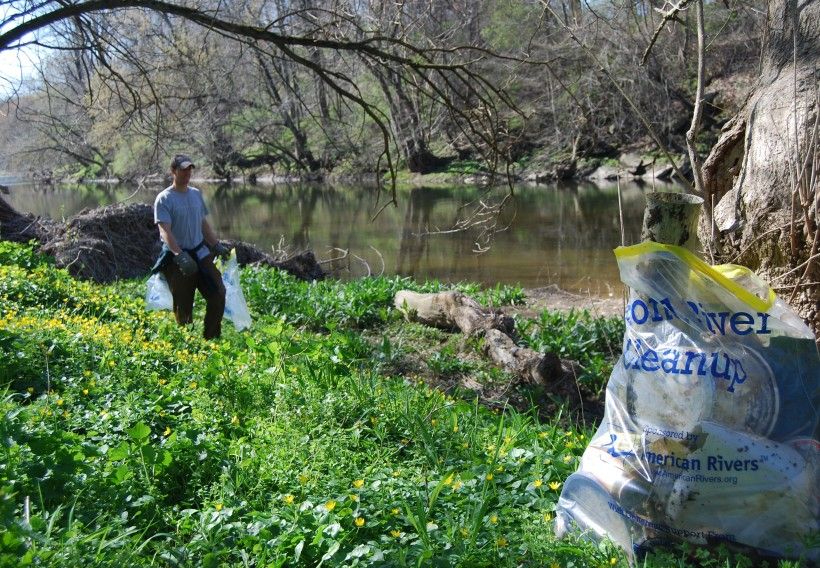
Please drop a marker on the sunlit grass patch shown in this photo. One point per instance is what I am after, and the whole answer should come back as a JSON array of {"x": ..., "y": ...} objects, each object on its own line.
[{"x": 129, "y": 440}]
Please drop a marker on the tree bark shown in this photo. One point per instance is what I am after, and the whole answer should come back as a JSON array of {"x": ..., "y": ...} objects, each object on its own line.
[
  {"x": 454, "y": 310},
  {"x": 768, "y": 219},
  {"x": 450, "y": 310}
]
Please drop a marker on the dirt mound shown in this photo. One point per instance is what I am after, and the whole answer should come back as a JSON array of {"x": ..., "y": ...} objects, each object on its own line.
[{"x": 121, "y": 241}]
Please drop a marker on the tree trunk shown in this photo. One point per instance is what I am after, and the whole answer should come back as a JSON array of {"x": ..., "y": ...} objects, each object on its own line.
[{"x": 762, "y": 175}]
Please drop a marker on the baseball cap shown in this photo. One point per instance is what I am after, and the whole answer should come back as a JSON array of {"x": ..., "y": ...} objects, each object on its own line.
[{"x": 181, "y": 161}]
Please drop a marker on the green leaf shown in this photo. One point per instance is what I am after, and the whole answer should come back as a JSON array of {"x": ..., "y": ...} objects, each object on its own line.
[
  {"x": 334, "y": 548},
  {"x": 140, "y": 431},
  {"x": 210, "y": 560},
  {"x": 120, "y": 452},
  {"x": 122, "y": 473}
]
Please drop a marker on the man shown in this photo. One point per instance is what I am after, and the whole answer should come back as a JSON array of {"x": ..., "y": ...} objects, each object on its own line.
[{"x": 189, "y": 246}]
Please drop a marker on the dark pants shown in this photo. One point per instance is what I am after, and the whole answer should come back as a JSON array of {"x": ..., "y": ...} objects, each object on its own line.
[{"x": 209, "y": 283}]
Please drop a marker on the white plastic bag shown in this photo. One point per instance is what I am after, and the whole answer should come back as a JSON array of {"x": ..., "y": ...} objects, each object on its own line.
[
  {"x": 710, "y": 426},
  {"x": 236, "y": 309},
  {"x": 158, "y": 295}
]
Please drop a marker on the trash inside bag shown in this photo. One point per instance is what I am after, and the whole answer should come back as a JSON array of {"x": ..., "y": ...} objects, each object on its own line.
[
  {"x": 158, "y": 295},
  {"x": 236, "y": 309},
  {"x": 710, "y": 430}
]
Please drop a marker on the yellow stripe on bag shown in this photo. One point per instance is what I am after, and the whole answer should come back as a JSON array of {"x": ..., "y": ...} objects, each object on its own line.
[{"x": 716, "y": 273}]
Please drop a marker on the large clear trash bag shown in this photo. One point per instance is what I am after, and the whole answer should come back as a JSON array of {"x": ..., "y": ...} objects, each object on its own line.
[{"x": 710, "y": 429}]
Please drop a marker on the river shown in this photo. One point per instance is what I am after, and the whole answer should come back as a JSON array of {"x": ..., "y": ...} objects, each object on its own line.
[{"x": 544, "y": 235}]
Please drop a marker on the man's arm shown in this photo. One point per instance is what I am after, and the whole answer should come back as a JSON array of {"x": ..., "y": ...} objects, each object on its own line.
[{"x": 168, "y": 237}]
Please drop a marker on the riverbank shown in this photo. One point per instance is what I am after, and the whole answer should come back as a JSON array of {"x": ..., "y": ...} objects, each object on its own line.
[
  {"x": 314, "y": 436},
  {"x": 633, "y": 164}
]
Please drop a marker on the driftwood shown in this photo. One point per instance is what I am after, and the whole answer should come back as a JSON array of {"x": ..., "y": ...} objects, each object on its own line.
[
  {"x": 451, "y": 311},
  {"x": 121, "y": 241},
  {"x": 531, "y": 366},
  {"x": 455, "y": 311}
]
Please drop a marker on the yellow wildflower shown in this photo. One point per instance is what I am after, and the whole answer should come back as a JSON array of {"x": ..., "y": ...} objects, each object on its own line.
[
  {"x": 567, "y": 458},
  {"x": 394, "y": 511},
  {"x": 395, "y": 534},
  {"x": 193, "y": 384},
  {"x": 489, "y": 477},
  {"x": 219, "y": 506},
  {"x": 354, "y": 498},
  {"x": 30, "y": 390},
  {"x": 457, "y": 485},
  {"x": 167, "y": 431},
  {"x": 494, "y": 519},
  {"x": 330, "y": 505},
  {"x": 537, "y": 483},
  {"x": 359, "y": 522},
  {"x": 85, "y": 391},
  {"x": 449, "y": 480},
  {"x": 547, "y": 517},
  {"x": 288, "y": 499},
  {"x": 554, "y": 485},
  {"x": 303, "y": 478},
  {"x": 358, "y": 483},
  {"x": 464, "y": 532},
  {"x": 501, "y": 541},
  {"x": 613, "y": 561},
  {"x": 235, "y": 420},
  {"x": 59, "y": 402}
]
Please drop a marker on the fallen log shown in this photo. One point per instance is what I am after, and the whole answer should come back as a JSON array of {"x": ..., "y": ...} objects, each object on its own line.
[
  {"x": 456, "y": 311},
  {"x": 531, "y": 366},
  {"x": 451, "y": 311}
]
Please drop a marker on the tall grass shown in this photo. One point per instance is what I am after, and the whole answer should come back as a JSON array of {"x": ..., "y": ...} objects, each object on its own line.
[{"x": 129, "y": 441}]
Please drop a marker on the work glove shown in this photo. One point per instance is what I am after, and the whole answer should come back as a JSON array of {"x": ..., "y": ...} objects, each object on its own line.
[
  {"x": 220, "y": 250},
  {"x": 186, "y": 263}
]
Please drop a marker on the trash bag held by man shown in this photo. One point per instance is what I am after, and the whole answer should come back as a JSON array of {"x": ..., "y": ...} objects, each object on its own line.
[
  {"x": 157, "y": 294},
  {"x": 710, "y": 431},
  {"x": 236, "y": 309}
]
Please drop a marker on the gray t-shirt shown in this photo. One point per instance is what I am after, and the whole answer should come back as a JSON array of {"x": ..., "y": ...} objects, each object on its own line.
[{"x": 184, "y": 211}]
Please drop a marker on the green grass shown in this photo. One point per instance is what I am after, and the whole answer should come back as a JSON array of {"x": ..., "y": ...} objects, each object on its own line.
[{"x": 129, "y": 441}]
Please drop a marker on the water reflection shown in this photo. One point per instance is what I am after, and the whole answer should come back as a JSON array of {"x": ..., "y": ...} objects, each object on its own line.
[{"x": 561, "y": 235}]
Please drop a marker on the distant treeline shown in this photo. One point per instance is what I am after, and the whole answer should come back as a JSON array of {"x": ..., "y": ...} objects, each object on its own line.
[{"x": 311, "y": 87}]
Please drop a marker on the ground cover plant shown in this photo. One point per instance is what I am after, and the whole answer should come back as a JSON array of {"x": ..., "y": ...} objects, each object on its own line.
[{"x": 129, "y": 441}]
